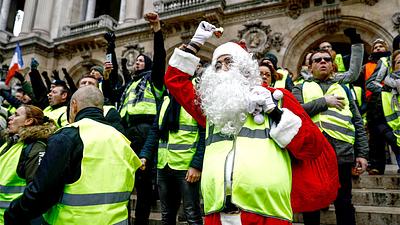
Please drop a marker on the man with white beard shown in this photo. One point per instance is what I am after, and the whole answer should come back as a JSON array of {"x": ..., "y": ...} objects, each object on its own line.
[{"x": 247, "y": 171}]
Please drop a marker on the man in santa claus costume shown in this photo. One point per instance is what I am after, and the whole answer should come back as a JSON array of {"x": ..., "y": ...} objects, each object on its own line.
[{"x": 253, "y": 134}]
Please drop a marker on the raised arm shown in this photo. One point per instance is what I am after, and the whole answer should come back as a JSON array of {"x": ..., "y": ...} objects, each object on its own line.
[
  {"x": 182, "y": 66},
  {"x": 158, "y": 71},
  {"x": 357, "y": 53}
]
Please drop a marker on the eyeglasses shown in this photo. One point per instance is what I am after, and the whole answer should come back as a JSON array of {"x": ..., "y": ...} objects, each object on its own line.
[
  {"x": 226, "y": 61},
  {"x": 319, "y": 59}
]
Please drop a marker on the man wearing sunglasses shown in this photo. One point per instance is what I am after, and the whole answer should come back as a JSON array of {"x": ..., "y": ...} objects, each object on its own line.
[{"x": 331, "y": 107}]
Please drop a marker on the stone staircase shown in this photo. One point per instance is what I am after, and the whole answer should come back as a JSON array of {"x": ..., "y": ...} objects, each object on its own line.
[{"x": 376, "y": 199}]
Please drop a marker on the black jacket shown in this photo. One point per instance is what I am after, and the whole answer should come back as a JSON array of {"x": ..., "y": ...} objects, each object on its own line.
[{"x": 61, "y": 165}]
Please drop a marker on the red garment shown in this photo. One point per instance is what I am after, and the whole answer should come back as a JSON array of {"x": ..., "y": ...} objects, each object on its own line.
[
  {"x": 315, "y": 156},
  {"x": 247, "y": 218}
]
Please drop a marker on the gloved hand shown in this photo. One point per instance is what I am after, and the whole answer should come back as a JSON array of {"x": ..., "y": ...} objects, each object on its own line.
[
  {"x": 65, "y": 72},
  {"x": 34, "y": 63},
  {"x": 261, "y": 97},
  {"x": 203, "y": 32},
  {"x": 19, "y": 77},
  {"x": 352, "y": 34},
  {"x": 56, "y": 75},
  {"x": 45, "y": 75}
]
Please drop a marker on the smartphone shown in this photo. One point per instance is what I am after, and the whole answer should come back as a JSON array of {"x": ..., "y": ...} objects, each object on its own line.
[{"x": 109, "y": 58}]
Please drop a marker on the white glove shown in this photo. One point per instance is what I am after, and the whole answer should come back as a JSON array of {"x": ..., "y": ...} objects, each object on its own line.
[
  {"x": 203, "y": 32},
  {"x": 261, "y": 96}
]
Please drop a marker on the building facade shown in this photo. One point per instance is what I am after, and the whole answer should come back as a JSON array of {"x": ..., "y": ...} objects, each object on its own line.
[{"x": 69, "y": 33}]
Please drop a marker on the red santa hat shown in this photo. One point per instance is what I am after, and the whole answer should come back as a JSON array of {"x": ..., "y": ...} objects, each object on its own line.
[{"x": 230, "y": 48}]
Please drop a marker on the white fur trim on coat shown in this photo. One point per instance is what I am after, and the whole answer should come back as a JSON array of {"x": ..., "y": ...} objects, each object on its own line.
[
  {"x": 286, "y": 129},
  {"x": 184, "y": 61}
]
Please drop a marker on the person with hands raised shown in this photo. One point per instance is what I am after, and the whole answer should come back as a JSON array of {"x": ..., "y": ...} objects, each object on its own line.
[
  {"x": 138, "y": 108},
  {"x": 241, "y": 152}
]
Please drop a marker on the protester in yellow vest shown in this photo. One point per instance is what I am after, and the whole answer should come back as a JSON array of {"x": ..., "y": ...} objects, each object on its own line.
[
  {"x": 21, "y": 155},
  {"x": 375, "y": 116},
  {"x": 284, "y": 81},
  {"x": 247, "y": 171},
  {"x": 138, "y": 108},
  {"x": 58, "y": 100},
  {"x": 181, "y": 144},
  {"x": 109, "y": 111},
  {"x": 391, "y": 110},
  {"x": 87, "y": 174},
  {"x": 332, "y": 108}
]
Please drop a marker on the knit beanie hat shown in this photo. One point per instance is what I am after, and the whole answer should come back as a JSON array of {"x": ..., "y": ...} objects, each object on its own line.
[
  {"x": 380, "y": 41},
  {"x": 98, "y": 69},
  {"x": 271, "y": 57}
]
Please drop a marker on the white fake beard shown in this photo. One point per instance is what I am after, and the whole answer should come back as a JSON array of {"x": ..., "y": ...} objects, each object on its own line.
[{"x": 224, "y": 97}]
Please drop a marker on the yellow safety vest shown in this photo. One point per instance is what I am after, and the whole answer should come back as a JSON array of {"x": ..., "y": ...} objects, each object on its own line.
[
  {"x": 336, "y": 123},
  {"x": 100, "y": 196},
  {"x": 261, "y": 175},
  {"x": 181, "y": 147},
  {"x": 282, "y": 82},
  {"x": 11, "y": 185},
  {"x": 392, "y": 115},
  {"x": 147, "y": 106},
  {"x": 339, "y": 63},
  {"x": 59, "y": 115}
]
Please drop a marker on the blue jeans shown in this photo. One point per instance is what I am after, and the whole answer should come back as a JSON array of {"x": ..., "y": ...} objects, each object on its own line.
[{"x": 172, "y": 188}]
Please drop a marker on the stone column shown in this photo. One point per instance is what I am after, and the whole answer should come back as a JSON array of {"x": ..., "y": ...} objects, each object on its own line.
[
  {"x": 43, "y": 20},
  {"x": 5, "y": 9},
  {"x": 122, "y": 11},
  {"x": 133, "y": 10},
  {"x": 29, "y": 16},
  {"x": 91, "y": 7},
  {"x": 83, "y": 7}
]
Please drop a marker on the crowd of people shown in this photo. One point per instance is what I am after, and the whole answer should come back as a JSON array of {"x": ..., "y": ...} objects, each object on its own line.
[{"x": 256, "y": 141}]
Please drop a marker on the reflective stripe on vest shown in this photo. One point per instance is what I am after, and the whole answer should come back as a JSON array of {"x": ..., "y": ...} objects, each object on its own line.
[
  {"x": 282, "y": 82},
  {"x": 339, "y": 63},
  {"x": 147, "y": 106},
  {"x": 253, "y": 189},
  {"x": 59, "y": 115},
  {"x": 336, "y": 123},
  {"x": 11, "y": 185},
  {"x": 100, "y": 195},
  {"x": 181, "y": 147},
  {"x": 392, "y": 115}
]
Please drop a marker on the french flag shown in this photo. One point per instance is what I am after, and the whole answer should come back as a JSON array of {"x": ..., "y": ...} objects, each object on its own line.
[{"x": 16, "y": 64}]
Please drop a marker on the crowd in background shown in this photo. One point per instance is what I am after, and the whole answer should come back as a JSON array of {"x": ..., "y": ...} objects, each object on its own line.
[{"x": 356, "y": 106}]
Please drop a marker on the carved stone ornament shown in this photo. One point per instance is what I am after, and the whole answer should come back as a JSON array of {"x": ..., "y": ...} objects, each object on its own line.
[
  {"x": 396, "y": 21},
  {"x": 294, "y": 9},
  {"x": 130, "y": 52},
  {"x": 371, "y": 2},
  {"x": 332, "y": 17},
  {"x": 259, "y": 38}
]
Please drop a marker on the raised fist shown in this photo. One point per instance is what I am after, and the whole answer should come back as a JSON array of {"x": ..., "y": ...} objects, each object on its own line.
[{"x": 203, "y": 32}]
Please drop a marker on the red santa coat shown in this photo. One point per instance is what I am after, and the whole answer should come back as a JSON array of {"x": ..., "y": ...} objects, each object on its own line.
[{"x": 314, "y": 167}]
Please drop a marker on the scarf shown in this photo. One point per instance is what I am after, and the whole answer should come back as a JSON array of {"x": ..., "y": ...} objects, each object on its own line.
[
  {"x": 144, "y": 77},
  {"x": 170, "y": 121}
]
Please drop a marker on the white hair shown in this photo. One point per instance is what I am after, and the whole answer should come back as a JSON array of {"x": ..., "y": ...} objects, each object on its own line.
[{"x": 224, "y": 95}]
